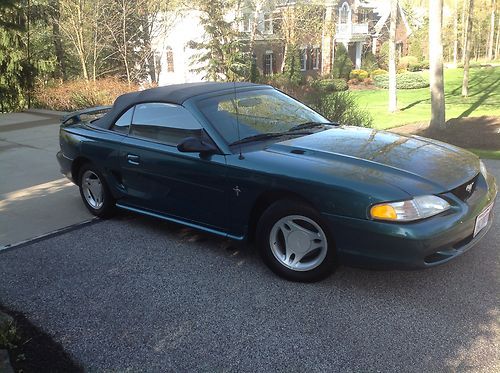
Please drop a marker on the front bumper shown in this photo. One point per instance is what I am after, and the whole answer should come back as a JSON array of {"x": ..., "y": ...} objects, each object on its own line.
[{"x": 423, "y": 244}]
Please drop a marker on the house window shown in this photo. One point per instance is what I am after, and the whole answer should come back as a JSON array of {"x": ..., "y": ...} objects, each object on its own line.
[
  {"x": 344, "y": 13},
  {"x": 268, "y": 23},
  {"x": 247, "y": 22},
  {"x": 316, "y": 58},
  {"x": 303, "y": 59},
  {"x": 157, "y": 66},
  {"x": 170, "y": 60},
  {"x": 269, "y": 63},
  {"x": 363, "y": 16}
]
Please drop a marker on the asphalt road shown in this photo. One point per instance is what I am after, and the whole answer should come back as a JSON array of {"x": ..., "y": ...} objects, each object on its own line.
[{"x": 134, "y": 293}]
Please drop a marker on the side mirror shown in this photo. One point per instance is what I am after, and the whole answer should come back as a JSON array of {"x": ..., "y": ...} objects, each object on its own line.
[{"x": 195, "y": 145}]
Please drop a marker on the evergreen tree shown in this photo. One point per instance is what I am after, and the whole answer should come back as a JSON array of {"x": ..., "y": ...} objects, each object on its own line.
[
  {"x": 16, "y": 71},
  {"x": 292, "y": 68},
  {"x": 223, "y": 53}
]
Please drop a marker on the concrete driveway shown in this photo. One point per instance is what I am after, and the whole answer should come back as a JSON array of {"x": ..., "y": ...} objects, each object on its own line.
[
  {"x": 138, "y": 294},
  {"x": 35, "y": 199}
]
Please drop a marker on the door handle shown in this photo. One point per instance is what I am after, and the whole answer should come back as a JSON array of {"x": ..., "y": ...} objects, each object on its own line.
[{"x": 133, "y": 159}]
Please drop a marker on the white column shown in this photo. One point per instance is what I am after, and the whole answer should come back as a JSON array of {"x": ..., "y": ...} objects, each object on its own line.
[
  {"x": 358, "y": 55},
  {"x": 374, "y": 45}
]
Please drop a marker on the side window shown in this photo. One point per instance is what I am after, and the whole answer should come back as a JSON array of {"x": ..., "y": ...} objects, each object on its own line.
[
  {"x": 123, "y": 123},
  {"x": 165, "y": 123}
]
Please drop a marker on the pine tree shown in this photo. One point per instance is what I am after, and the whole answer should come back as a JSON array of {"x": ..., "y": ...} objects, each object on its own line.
[
  {"x": 223, "y": 53},
  {"x": 16, "y": 71}
]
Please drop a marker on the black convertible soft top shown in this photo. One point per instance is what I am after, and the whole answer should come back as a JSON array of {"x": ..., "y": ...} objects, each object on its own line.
[{"x": 174, "y": 94}]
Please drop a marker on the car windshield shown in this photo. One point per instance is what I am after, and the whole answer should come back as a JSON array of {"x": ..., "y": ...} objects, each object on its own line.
[{"x": 265, "y": 111}]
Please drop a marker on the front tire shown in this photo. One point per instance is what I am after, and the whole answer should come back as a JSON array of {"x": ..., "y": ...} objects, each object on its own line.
[
  {"x": 94, "y": 191},
  {"x": 295, "y": 243}
]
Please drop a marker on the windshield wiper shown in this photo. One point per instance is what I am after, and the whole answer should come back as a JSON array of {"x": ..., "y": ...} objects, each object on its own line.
[
  {"x": 307, "y": 125},
  {"x": 265, "y": 136}
]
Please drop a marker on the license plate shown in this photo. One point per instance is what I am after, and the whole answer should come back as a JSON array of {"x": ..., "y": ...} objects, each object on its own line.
[{"x": 482, "y": 219}]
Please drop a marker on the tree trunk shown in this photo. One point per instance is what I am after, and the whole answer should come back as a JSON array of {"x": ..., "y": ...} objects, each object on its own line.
[
  {"x": 57, "y": 39},
  {"x": 327, "y": 41},
  {"x": 465, "y": 81},
  {"x": 497, "y": 44},
  {"x": 464, "y": 28},
  {"x": 455, "y": 35},
  {"x": 393, "y": 100},
  {"x": 436, "y": 64},
  {"x": 492, "y": 30},
  {"x": 81, "y": 47}
]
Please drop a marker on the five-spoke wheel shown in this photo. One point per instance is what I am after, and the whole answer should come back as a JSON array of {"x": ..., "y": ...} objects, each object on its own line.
[
  {"x": 298, "y": 242},
  {"x": 294, "y": 242},
  {"x": 94, "y": 191}
]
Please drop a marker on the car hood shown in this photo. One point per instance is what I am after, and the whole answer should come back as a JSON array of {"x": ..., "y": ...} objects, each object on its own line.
[{"x": 414, "y": 159}]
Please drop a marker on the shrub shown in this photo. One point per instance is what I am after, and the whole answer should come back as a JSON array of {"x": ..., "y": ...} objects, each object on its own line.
[
  {"x": 383, "y": 56},
  {"x": 369, "y": 61},
  {"x": 376, "y": 72},
  {"x": 341, "y": 107},
  {"x": 254, "y": 71},
  {"x": 80, "y": 94},
  {"x": 358, "y": 74},
  {"x": 353, "y": 82},
  {"x": 331, "y": 85},
  {"x": 415, "y": 67},
  {"x": 403, "y": 81},
  {"x": 425, "y": 64},
  {"x": 406, "y": 61},
  {"x": 368, "y": 81},
  {"x": 342, "y": 65},
  {"x": 292, "y": 65}
]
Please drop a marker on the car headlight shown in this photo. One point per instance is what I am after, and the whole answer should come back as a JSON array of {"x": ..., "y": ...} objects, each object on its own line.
[
  {"x": 420, "y": 207},
  {"x": 483, "y": 169}
]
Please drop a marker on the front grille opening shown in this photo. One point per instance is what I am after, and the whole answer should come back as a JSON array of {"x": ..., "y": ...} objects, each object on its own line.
[
  {"x": 466, "y": 190},
  {"x": 439, "y": 256},
  {"x": 463, "y": 242}
]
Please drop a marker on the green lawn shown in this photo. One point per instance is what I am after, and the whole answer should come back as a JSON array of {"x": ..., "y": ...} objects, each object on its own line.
[{"x": 414, "y": 105}]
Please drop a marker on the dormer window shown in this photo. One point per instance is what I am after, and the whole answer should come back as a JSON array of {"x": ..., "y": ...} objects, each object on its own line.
[
  {"x": 247, "y": 22},
  {"x": 344, "y": 13},
  {"x": 268, "y": 23},
  {"x": 170, "y": 60}
]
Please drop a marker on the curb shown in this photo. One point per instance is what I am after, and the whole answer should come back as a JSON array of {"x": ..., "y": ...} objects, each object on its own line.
[
  {"x": 48, "y": 235},
  {"x": 46, "y": 112}
]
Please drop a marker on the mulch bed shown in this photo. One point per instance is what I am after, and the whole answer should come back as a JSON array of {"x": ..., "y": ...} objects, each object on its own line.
[
  {"x": 36, "y": 351},
  {"x": 473, "y": 133}
]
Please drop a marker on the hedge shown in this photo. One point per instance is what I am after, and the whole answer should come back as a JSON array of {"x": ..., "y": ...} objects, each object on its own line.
[
  {"x": 331, "y": 85},
  {"x": 404, "y": 81}
]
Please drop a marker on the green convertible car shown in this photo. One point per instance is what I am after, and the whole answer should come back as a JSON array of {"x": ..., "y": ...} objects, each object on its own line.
[{"x": 246, "y": 161}]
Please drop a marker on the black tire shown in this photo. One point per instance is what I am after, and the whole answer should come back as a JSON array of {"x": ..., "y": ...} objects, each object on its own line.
[
  {"x": 108, "y": 203},
  {"x": 270, "y": 217}
]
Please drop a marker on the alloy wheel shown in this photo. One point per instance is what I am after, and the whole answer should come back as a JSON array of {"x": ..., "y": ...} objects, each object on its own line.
[
  {"x": 92, "y": 189},
  {"x": 298, "y": 243}
]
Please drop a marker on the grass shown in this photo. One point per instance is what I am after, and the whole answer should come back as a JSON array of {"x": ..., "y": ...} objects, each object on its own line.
[
  {"x": 414, "y": 105},
  {"x": 488, "y": 154}
]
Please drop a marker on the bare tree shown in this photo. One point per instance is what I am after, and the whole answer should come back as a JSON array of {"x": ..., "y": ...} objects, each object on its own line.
[
  {"x": 327, "y": 47},
  {"x": 72, "y": 21},
  {"x": 455, "y": 34},
  {"x": 492, "y": 29},
  {"x": 393, "y": 100},
  {"x": 436, "y": 64},
  {"x": 465, "y": 81},
  {"x": 464, "y": 27},
  {"x": 497, "y": 44}
]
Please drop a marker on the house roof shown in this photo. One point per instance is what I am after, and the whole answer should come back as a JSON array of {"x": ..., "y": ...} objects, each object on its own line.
[{"x": 383, "y": 9}]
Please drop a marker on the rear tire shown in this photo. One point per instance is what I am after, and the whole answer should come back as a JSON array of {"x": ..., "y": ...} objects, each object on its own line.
[
  {"x": 95, "y": 192},
  {"x": 295, "y": 243}
]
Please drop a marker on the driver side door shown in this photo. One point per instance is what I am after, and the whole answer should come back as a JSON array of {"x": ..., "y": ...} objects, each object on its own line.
[{"x": 158, "y": 178}]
